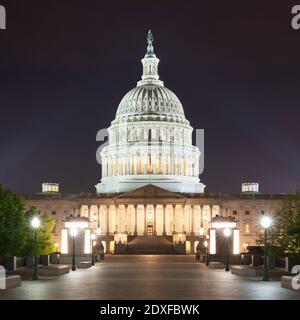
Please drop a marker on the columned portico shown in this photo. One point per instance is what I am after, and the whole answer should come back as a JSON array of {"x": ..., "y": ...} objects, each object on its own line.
[{"x": 150, "y": 209}]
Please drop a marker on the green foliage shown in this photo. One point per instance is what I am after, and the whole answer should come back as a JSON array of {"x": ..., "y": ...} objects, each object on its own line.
[
  {"x": 284, "y": 236},
  {"x": 45, "y": 236},
  {"x": 16, "y": 233},
  {"x": 12, "y": 223}
]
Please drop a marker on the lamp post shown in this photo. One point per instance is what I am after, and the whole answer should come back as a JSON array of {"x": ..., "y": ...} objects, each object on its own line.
[
  {"x": 73, "y": 233},
  {"x": 266, "y": 222},
  {"x": 93, "y": 238},
  {"x": 35, "y": 223},
  {"x": 227, "y": 233},
  {"x": 206, "y": 252}
]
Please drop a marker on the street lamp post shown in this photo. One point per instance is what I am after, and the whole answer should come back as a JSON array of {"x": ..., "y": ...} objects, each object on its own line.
[
  {"x": 35, "y": 223},
  {"x": 266, "y": 223},
  {"x": 73, "y": 233},
  {"x": 206, "y": 252},
  {"x": 227, "y": 233},
  {"x": 93, "y": 238}
]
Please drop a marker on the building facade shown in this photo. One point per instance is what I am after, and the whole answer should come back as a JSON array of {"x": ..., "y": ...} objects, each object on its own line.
[
  {"x": 150, "y": 184},
  {"x": 151, "y": 210}
]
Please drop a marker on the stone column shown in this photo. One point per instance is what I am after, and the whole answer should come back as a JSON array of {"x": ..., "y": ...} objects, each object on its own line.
[
  {"x": 121, "y": 165},
  {"x": 154, "y": 220},
  {"x": 135, "y": 220},
  {"x": 169, "y": 164},
  {"x": 181, "y": 221},
  {"x": 174, "y": 216},
  {"x": 130, "y": 164},
  {"x": 153, "y": 162},
  {"x": 103, "y": 168},
  {"x": 192, "y": 209},
  {"x": 201, "y": 215},
  {"x": 107, "y": 167},
  {"x": 117, "y": 218},
  {"x": 113, "y": 167},
  {"x": 107, "y": 220},
  {"x": 99, "y": 214},
  {"x": 89, "y": 212},
  {"x": 135, "y": 163},
  {"x": 126, "y": 218},
  {"x": 145, "y": 162},
  {"x": 164, "y": 220},
  {"x": 145, "y": 219},
  {"x": 138, "y": 164}
]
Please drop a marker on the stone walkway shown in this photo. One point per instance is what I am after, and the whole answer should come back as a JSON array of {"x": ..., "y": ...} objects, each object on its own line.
[{"x": 149, "y": 277}]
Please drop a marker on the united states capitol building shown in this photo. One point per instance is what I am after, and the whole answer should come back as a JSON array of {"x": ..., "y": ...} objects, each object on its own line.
[{"x": 150, "y": 195}]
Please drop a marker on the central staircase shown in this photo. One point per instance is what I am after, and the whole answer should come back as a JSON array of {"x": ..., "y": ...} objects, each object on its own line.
[{"x": 150, "y": 245}]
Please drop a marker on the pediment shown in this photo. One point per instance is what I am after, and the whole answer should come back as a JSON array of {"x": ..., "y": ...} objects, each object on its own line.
[{"x": 150, "y": 191}]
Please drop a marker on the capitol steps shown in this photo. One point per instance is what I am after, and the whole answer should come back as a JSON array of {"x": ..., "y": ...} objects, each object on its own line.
[{"x": 150, "y": 245}]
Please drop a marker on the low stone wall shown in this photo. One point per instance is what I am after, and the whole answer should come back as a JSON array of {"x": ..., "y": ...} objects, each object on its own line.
[
  {"x": 83, "y": 265},
  {"x": 216, "y": 265},
  {"x": 67, "y": 259},
  {"x": 233, "y": 259},
  {"x": 244, "y": 271},
  {"x": 13, "y": 281},
  {"x": 286, "y": 282},
  {"x": 43, "y": 271}
]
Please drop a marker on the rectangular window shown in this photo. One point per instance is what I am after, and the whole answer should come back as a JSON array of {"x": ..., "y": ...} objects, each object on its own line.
[
  {"x": 234, "y": 212},
  {"x": 53, "y": 212},
  {"x": 247, "y": 212},
  {"x": 247, "y": 228}
]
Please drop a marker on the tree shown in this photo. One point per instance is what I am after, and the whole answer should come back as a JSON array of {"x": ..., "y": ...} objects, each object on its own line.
[
  {"x": 13, "y": 231},
  {"x": 284, "y": 236},
  {"x": 45, "y": 235},
  {"x": 16, "y": 233}
]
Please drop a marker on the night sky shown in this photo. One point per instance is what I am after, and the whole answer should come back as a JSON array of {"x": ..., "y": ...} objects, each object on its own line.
[{"x": 65, "y": 65}]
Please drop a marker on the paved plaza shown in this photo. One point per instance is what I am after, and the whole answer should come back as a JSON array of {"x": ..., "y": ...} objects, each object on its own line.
[{"x": 149, "y": 277}]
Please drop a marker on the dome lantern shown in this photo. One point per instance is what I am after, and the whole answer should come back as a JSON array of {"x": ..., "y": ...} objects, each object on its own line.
[{"x": 150, "y": 65}]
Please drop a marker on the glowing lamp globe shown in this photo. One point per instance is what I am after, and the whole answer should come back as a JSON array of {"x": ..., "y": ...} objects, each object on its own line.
[
  {"x": 227, "y": 232},
  {"x": 73, "y": 232},
  {"x": 205, "y": 244},
  {"x": 35, "y": 222},
  {"x": 93, "y": 236},
  {"x": 201, "y": 231},
  {"x": 266, "y": 222}
]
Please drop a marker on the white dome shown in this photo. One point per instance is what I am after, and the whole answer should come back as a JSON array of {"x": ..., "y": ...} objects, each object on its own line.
[
  {"x": 150, "y": 141},
  {"x": 150, "y": 99}
]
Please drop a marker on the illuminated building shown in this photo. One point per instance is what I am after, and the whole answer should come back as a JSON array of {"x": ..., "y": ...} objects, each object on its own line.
[{"x": 150, "y": 187}]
